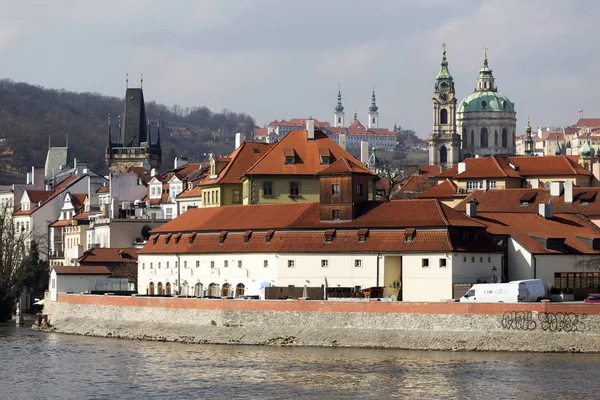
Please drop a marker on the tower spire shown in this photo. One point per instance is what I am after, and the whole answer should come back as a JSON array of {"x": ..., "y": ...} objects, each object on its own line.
[
  {"x": 127, "y": 80},
  {"x": 373, "y": 113},
  {"x": 338, "y": 114},
  {"x": 141, "y": 79},
  {"x": 109, "y": 144},
  {"x": 528, "y": 142},
  {"x": 485, "y": 80}
]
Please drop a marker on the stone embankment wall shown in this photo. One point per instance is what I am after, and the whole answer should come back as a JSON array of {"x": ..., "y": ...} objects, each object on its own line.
[{"x": 537, "y": 327}]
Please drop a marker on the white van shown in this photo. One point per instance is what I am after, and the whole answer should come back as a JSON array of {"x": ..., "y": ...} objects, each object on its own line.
[{"x": 511, "y": 292}]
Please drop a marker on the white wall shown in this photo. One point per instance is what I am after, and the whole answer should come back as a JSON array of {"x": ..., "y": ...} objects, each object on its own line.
[{"x": 72, "y": 283}]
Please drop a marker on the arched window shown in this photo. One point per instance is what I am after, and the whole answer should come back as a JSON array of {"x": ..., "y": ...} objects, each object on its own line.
[
  {"x": 464, "y": 138},
  {"x": 225, "y": 290},
  {"x": 504, "y": 138},
  {"x": 496, "y": 138},
  {"x": 213, "y": 290},
  {"x": 443, "y": 155},
  {"x": 151, "y": 289},
  {"x": 198, "y": 290},
  {"x": 483, "y": 138},
  {"x": 239, "y": 290},
  {"x": 168, "y": 289},
  {"x": 443, "y": 116},
  {"x": 159, "y": 288}
]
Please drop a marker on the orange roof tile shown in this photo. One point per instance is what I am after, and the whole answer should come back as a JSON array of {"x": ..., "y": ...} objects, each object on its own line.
[
  {"x": 241, "y": 159},
  {"x": 196, "y": 191},
  {"x": 307, "y": 158},
  {"x": 343, "y": 166},
  {"x": 81, "y": 270},
  {"x": 443, "y": 190},
  {"x": 105, "y": 256},
  {"x": 430, "y": 170}
]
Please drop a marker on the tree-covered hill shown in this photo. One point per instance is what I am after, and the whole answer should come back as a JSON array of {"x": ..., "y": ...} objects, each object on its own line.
[{"x": 30, "y": 115}]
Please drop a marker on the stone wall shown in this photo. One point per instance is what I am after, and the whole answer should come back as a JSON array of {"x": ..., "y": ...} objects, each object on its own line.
[{"x": 540, "y": 327}]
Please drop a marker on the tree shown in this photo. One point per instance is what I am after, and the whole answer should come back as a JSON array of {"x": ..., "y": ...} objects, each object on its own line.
[
  {"x": 146, "y": 232},
  {"x": 20, "y": 266}
]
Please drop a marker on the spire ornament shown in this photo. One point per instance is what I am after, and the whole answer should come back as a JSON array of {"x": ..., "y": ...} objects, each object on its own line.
[{"x": 126, "y": 80}]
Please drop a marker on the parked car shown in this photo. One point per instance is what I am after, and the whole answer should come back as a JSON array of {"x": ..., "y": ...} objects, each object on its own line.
[
  {"x": 593, "y": 298},
  {"x": 511, "y": 292}
]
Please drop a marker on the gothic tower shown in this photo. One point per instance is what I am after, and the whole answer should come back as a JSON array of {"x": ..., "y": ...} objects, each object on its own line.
[
  {"x": 373, "y": 113},
  {"x": 444, "y": 142},
  {"x": 338, "y": 115}
]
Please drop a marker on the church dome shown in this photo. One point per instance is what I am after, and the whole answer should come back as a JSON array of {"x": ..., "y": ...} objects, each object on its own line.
[
  {"x": 339, "y": 107},
  {"x": 486, "y": 101}
]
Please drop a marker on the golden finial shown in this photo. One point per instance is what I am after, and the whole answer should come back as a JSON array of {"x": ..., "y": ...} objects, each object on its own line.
[
  {"x": 126, "y": 80},
  {"x": 141, "y": 79},
  {"x": 485, "y": 49},
  {"x": 444, "y": 47}
]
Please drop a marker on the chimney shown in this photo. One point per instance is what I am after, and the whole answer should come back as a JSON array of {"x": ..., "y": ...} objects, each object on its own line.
[
  {"x": 568, "y": 192},
  {"x": 462, "y": 167},
  {"x": 152, "y": 172},
  {"x": 364, "y": 152},
  {"x": 310, "y": 129},
  {"x": 556, "y": 189},
  {"x": 180, "y": 162},
  {"x": 472, "y": 209},
  {"x": 239, "y": 139},
  {"x": 342, "y": 140},
  {"x": 545, "y": 210},
  {"x": 535, "y": 183}
]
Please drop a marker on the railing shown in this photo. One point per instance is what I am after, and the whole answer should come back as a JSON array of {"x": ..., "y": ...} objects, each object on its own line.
[{"x": 57, "y": 253}]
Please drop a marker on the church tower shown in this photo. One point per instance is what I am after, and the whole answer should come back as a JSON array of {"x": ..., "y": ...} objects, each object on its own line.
[
  {"x": 338, "y": 115},
  {"x": 373, "y": 113},
  {"x": 528, "y": 142},
  {"x": 134, "y": 147},
  {"x": 444, "y": 142}
]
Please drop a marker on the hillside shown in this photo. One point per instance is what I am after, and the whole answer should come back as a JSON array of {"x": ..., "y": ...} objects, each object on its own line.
[{"x": 30, "y": 115}]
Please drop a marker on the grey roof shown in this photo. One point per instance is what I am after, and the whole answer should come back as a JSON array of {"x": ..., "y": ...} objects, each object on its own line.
[
  {"x": 56, "y": 157},
  {"x": 133, "y": 128}
]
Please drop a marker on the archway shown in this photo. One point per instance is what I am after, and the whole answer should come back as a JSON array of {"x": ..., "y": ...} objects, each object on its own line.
[
  {"x": 151, "y": 289},
  {"x": 213, "y": 290},
  {"x": 198, "y": 290},
  {"x": 168, "y": 289},
  {"x": 239, "y": 290},
  {"x": 443, "y": 155},
  {"x": 159, "y": 288},
  {"x": 225, "y": 290},
  {"x": 483, "y": 138},
  {"x": 443, "y": 116},
  {"x": 504, "y": 138}
]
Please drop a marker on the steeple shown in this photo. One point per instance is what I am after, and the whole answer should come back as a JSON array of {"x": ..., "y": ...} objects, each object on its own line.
[
  {"x": 444, "y": 81},
  {"x": 485, "y": 80},
  {"x": 528, "y": 142},
  {"x": 373, "y": 113},
  {"x": 355, "y": 117},
  {"x": 558, "y": 150},
  {"x": 109, "y": 143},
  {"x": 338, "y": 115}
]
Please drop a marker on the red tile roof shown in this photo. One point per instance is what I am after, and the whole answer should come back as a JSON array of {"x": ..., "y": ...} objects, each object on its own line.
[
  {"x": 105, "y": 256},
  {"x": 524, "y": 227},
  {"x": 452, "y": 172},
  {"x": 490, "y": 167},
  {"x": 430, "y": 170},
  {"x": 388, "y": 214},
  {"x": 81, "y": 270},
  {"x": 307, "y": 158},
  {"x": 443, "y": 190},
  {"x": 587, "y": 122},
  {"x": 104, "y": 189},
  {"x": 35, "y": 196},
  {"x": 240, "y": 160},
  {"x": 346, "y": 166},
  {"x": 196, "y": 191}
]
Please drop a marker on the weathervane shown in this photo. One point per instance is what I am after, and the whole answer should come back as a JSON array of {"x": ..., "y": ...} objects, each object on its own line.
[
  {"x": 485, "y": 49},
  {"x": 444, "y": 47},
  {"x": 126, "y": 80}
]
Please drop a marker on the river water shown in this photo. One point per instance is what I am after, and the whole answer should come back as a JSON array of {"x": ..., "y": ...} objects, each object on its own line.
[{"x": 35, "y": 365}]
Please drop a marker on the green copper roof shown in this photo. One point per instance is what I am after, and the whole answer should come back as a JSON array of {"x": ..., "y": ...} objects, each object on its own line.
[
  {"x": 586, "y": 151},
  {"x": 489, "y": 101},
  {"x": 443, "y": 80}
]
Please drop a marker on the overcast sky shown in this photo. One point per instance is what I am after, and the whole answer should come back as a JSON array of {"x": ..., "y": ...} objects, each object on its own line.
[{"x": 284, "y": 59}]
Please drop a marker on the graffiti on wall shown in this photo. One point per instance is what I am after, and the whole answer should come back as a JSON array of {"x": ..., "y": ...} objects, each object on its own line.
[{"x": 545, "y": 321}]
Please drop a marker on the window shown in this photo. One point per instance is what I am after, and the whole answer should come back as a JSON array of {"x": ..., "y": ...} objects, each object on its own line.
[
  {"x": 335, "y": 215},
  {"x": 143, "y": 265},
  {"x": 358, "y": 263},
  {"x": 185, "y": 264},
  {"x": 225, "y": 263},
  {"x": 268, "y": 189},
  {"x": 324, "y": 263},
  {"x": 443, "y": 263},
  {"x": 197, "y": 263},
  {"x": 239, "y": 263},
  {"x": 425, "y": 263},
  {"x": 294, "y": 189},
  {"x": 159, "y": 265},
  {"x": 480, "y": 259},
  {"x": 150, "y": 265},
  {"x": 489, "y": 259},
  {"x": 237, "y": 196},
  {"x": 359, "y": 189},
  {"x": 325, "y": 159},
  {"x": 472, "y": 259},
  {"x": 464, "y": 259},
  {"x": 212, "y": 264},
  {"x": 266, "y": 263},
  {"x": 335, "y": 189},
  {"x": 291, "y": 264},
  {"x": 492, "y": 184},
  {"x": 289, "y": 159},
  {"x": 475, "y": 185}
]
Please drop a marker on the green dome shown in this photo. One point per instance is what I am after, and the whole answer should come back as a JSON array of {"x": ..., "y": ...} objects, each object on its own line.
[
  {"x": 489, "y": 101},
  {"x": 586, "y": 151}
]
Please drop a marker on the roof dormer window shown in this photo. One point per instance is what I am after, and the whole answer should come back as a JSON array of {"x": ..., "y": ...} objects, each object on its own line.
[{"x": 289, "y": 156}]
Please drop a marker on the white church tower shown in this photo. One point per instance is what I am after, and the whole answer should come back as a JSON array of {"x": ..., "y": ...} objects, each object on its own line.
[
  {"x": 373, "y": 113},
  {"x": 338, "y": 115}
]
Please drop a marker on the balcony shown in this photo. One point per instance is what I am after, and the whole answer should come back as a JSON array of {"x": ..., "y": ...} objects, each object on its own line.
[{"x": 57, "y": 253}]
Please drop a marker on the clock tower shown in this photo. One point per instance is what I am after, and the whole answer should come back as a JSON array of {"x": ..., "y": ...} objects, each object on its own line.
[{"x": 444, "y": 142}]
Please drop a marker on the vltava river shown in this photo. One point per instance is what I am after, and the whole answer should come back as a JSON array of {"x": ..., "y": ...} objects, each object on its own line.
[{"x": 37, "y": 365}]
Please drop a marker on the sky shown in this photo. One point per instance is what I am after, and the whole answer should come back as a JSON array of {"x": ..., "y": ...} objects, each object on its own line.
[{"x": 275, "y": 59}]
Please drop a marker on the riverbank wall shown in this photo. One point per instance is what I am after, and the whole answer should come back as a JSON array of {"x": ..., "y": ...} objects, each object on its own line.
[{"x": 533, "y": 327}]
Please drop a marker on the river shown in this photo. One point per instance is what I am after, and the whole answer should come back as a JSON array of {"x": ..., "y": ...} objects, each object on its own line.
[{"x": 35, "y": 365}]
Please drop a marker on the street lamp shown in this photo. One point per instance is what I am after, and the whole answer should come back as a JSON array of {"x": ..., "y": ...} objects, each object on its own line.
[{"x": 494, "y": 270}]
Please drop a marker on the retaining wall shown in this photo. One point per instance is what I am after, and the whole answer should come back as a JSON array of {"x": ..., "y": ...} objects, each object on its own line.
[{"x": 541, "y": 327}]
